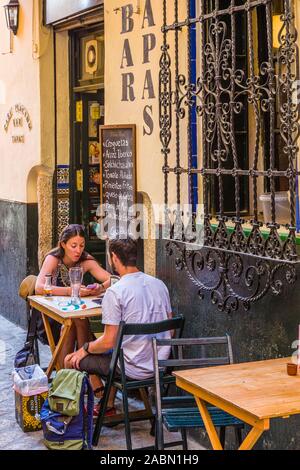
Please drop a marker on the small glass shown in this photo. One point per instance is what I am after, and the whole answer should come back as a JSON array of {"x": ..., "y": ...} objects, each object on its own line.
[
  {"x": 75, "y": 276},
  {"x": 291, "y": 368},
  {"x": 114, "y": 279},
  {"x": 48, "y": 285}
]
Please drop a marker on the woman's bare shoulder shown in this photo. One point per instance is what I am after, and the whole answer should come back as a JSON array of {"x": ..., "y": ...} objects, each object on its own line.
[{"x": 51, "y": 261}]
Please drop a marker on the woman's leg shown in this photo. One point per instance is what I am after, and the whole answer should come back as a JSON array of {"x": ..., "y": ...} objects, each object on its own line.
[
  {"x": 84, "y": 334},
  {"x": 83, "y": 331},
  {"x": 69, "y": 345}
]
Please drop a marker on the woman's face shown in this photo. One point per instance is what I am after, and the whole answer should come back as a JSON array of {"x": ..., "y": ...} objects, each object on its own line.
[{"x": 74, "y": 248}]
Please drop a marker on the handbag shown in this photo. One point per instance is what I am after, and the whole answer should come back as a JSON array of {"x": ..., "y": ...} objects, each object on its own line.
[{"x": 28, "y": 355}]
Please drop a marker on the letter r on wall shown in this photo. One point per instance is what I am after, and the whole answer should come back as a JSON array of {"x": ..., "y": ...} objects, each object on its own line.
[{"x": 127, "y": 87}]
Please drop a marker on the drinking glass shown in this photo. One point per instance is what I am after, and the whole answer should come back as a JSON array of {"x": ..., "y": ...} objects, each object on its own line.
[
  {"x": 114, "y": 279},
  {"x": 75, "y": 275}
]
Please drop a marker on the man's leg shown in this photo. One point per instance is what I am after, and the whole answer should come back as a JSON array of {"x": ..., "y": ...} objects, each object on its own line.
[
  {"x": 69, "y": 345},
  {"x": 81, "y": 333},
  {"x": 97, "y": 365},
  {"x": 97, "y": 385}
]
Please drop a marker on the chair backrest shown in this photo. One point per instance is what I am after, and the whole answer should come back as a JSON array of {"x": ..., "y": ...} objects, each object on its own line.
[
  {"x": 27, "y": 286},
  {"x": 178, "y": 360},
  {"x": 180, "y": 346},
  {"x": 176, "y": 324}
]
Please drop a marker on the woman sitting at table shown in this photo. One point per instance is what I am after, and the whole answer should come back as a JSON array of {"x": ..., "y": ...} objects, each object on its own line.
[{"x": 70, "y": 253}]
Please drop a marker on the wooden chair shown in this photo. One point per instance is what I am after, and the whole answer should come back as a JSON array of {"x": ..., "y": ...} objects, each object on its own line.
[
  {"x": 180, "y": 412},
  {"x": 126, "y": 384}
]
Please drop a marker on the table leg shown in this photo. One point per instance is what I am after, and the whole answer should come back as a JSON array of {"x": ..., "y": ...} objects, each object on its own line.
[
  {"x": 209, "y": 425},
  {"x": 54, "y": 361},
  {"x": 49, "y": 332},
  {"x": 251, "y": 438}
]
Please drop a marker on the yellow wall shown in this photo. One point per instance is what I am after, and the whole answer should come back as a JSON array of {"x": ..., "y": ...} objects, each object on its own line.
[
  {"x": 63, "y": 98},
  {"x": 26, "y": 78},
  {"x": 149, "y": 157}
]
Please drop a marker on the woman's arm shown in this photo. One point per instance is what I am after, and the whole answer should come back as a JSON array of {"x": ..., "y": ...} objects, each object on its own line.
[
  {"x": 98, "y": 273},
  {"x": 49, "y": 267}
]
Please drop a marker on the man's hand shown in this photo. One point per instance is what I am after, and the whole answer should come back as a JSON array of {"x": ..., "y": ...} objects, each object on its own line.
[{"x": 72, "y": 360}]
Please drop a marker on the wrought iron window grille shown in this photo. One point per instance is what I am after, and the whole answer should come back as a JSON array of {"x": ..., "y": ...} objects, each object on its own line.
[{"x": 239, "y": 268}]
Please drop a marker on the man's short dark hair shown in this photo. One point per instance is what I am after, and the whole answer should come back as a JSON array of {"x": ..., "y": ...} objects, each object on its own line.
[{"x": 125, "y": 249}]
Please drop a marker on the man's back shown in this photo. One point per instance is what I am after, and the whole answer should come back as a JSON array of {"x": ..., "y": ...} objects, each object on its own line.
[{"x": 137, "y": 298}]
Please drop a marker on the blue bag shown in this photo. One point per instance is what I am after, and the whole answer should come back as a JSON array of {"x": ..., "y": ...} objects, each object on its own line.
[{"x": 63, "y": 432}]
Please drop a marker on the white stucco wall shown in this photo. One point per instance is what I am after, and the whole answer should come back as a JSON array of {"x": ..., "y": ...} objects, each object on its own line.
[{"x": 22, "y": 69}]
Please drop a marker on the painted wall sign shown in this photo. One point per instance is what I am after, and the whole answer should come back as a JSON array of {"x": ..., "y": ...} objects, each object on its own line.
[
  {"x": 57, "y": 10},
  {"x": 18, "y": 117},
  {"x": 130, "y": 91}
]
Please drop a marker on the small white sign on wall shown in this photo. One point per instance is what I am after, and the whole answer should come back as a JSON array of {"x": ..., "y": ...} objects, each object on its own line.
[{"x": 17, "y": 119}]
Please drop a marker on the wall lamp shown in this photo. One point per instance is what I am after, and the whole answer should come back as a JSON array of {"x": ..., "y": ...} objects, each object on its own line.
[{"x": 12, "y": 15}]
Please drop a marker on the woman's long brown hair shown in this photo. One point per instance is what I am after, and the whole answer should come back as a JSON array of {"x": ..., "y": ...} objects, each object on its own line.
[{"x": 72, "y": 230}]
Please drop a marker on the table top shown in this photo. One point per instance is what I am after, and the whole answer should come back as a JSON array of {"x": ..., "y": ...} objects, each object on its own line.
[
  {"x": 261, "y": 388},
  {"x": 56, "y": 304}
]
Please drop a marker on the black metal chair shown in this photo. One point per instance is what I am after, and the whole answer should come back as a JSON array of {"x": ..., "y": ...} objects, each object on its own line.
[
  {"x": 125, "y": 384},
  {"x": 179, "y": 412}
]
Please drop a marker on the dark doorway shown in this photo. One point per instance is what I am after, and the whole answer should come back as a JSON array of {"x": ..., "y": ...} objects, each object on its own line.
[{"x": 87, "y": 114}]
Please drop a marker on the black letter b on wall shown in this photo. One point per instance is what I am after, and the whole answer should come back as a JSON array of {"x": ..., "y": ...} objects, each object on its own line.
[{"x": 127, "y": 21}]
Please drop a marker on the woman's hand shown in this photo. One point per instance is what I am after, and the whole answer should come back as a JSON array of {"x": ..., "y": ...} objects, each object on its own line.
[
  {"x": 99, "y": 289},
  {"x": 96, "y": 290},
  {"x": 84, "y": 292}
]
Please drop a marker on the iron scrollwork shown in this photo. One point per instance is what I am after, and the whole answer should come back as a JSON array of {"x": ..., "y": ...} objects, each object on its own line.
[
  {"x": 219, "y": 95},
  {"x": 231, "y": 279}
]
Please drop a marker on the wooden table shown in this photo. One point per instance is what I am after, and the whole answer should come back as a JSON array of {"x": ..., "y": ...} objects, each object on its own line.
[
  {"x": 49, "y": 308},
  {"x": 254, "y": 392}
]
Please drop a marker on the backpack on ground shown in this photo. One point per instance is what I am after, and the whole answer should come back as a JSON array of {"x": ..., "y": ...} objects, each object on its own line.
[
  {"x": 65, "y": 391},
  {"x": 67, "y": 423}
]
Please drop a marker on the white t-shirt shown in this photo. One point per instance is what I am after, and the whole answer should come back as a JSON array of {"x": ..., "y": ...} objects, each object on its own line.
[{"x": 138, "y": 298}]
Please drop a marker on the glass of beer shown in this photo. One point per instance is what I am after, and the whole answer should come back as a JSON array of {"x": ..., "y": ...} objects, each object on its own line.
[
  {"x": 48, "y": 285},
  {"x": 75, "y": 275}
]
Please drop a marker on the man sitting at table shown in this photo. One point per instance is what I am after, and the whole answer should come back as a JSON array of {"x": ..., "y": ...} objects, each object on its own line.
[{"x": 135, "y": 298}]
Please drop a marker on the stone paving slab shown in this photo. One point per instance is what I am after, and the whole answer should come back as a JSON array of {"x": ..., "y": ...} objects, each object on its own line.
[{"x": 12, "y": 437}]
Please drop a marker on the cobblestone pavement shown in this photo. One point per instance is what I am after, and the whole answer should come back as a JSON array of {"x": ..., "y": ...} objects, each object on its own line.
[{"x": 12, "y": 437}]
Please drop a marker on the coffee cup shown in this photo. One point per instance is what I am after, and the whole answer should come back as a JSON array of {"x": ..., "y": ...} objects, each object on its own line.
[{"x": 292, "y": 368}]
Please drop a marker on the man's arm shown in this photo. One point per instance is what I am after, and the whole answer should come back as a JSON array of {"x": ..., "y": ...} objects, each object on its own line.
[
  {"x": 101, "y": 345},
  {"x": 106, "y": 342}
]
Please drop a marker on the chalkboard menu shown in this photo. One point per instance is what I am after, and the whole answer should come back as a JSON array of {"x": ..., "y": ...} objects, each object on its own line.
[{"x": 118, "y": 165}]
